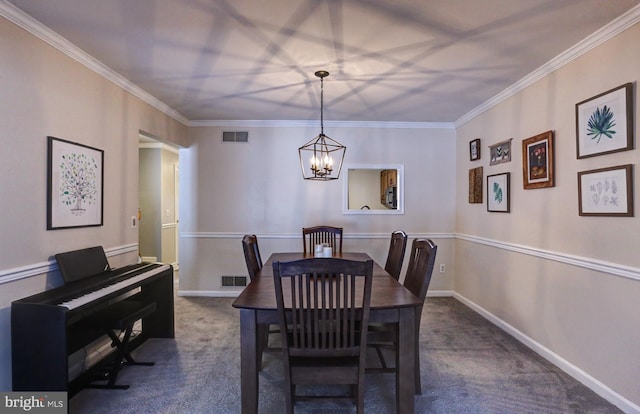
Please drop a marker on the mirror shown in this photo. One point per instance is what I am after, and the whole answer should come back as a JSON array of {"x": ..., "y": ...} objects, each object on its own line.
[{"x": 373, "y": 189}]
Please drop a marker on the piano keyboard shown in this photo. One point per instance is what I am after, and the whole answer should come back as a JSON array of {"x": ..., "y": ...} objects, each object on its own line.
[{"x": 91, "y": 296}]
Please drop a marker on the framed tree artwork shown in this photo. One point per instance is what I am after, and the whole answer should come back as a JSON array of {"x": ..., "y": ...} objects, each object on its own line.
[
  {"x": 74, "y": 185},
  {"x": 604, "y": 123},
  {"x": 606, "y": 192},
  {"x": 498, "y": 193},
  {"x": 537, "y": 161}
]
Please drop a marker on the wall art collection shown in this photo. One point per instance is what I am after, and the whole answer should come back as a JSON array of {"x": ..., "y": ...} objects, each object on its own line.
[{"x": 604, "y": 125}]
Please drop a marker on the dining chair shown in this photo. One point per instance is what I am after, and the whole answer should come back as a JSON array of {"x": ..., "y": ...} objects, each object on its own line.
[
  {"x": 322, "y": 234},
  {"x": 251, "y": 254},
  {"x": 254, "y": 264},
  {"x": 417, "y": 279},
  {"x": 322, "y": 304},
  {"x": 397, "y": 248}
]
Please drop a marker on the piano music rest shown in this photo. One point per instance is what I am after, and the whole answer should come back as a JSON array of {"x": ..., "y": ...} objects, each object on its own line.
[{"x": 120, "y": 316}]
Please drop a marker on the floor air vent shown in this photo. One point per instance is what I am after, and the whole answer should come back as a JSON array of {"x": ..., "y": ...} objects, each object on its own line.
[
  {"x": 235, "y": 136},
  {"x": 234, "y": 281}
]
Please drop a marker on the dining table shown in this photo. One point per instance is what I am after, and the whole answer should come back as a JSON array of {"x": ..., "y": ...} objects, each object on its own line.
[{"x": 390, "y": 303}]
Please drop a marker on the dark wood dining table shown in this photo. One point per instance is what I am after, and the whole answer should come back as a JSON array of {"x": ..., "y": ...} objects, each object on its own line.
[{"x": 390, "y": 303}]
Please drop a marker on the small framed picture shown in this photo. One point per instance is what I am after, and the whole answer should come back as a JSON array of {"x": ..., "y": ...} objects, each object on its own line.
[
  {"x": 498, "y": 193},
  {"x": 606, "y": 192},
  {"x": 475, "y": 185},
  {"x": 75, "y": 185},
  {"x": 500, "y": 152},
  {"x": 537, "y": 161},
  {"x": 474, "y": 149},
  {"x": 604, "y": 123}
]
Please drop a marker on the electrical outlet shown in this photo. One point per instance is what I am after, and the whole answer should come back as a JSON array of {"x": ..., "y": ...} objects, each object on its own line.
[{"x": 442, "y": 268}]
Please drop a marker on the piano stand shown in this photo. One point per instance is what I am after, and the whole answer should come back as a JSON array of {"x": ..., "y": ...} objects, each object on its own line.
[{"x": 120, "y": 316}]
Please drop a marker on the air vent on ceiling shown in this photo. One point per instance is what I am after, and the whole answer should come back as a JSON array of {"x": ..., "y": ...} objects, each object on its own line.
[{"x": 235, "y": 136}]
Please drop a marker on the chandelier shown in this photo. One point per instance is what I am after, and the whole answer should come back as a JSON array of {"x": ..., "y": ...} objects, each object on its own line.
[{"x": 321, "y": 158}]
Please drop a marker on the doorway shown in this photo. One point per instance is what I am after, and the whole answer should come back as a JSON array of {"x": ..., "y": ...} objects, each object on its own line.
[{"x": 158, "y": 200}]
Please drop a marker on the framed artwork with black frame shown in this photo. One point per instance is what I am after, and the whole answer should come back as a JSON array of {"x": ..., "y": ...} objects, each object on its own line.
[
  {"x": 474, "y": 149},
  {"x": 606, "y": 192},
  {"x": 604, "y": 123},
  {"x": 537, "y": 161},
  {"x": 498, "y": 198},
  {"x": 75, "y": 185}
]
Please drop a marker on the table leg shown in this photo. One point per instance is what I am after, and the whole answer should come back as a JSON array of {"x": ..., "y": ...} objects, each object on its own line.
[
  {"x": 249, "y": 361},
  {"x": 405, "y": 361}
]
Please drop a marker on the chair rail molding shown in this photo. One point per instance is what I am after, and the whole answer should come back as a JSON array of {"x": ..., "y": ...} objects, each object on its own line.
[
  {"x": 23, "y": 272},
  {"x": 580, "y": 261}
]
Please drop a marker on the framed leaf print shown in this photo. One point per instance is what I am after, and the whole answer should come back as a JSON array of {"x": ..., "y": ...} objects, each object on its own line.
[
  {"x": 75, "y": 185},
  {"x": 604, "y": 123},
  {"x": 537, "y": 161},
  {"x": 606, "y": 192},
  {"x": 498, "y": 193}
]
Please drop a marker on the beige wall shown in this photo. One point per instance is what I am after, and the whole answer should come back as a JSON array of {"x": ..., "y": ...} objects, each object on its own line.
[
  {"x": 229, "y": 189},
  {"x": 569, "y": 284},
  {"x": 44, "y": 92}
]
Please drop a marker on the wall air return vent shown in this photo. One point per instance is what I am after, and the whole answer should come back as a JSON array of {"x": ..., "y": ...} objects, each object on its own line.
[{"x": 235, "y": 136}]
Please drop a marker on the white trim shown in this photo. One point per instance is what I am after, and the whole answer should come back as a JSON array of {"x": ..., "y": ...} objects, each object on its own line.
[
  {"x": 580, "y": 375},
  {"x": 18, "y": 273},
  {"x": 314, "y": 123},
  {"x": 600, "y": 36},
  {"x": 158, "y": 145},
  {"x": 222, "y": 235},
  {"x": 33, "y": 26},
  {"x": 580, "y": 261},
  {"x": 210, "y": 293}
]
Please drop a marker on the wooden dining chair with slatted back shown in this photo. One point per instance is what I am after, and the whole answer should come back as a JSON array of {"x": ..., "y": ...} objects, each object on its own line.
[
  {"x": 251, "y": 254},
  {"x": 322, "y": 305},
  {"x": 322, "y": 234},
  {"x": 254, "y": 265},
  {"x": 417, "y": 279},
  {"x": 397, "y": 248}
]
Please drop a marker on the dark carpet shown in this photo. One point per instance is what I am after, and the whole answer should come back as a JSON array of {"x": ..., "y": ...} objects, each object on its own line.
[{"x": 468, "y": 365}]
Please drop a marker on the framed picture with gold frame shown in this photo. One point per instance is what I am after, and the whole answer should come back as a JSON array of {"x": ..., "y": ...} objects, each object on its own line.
[{"x": 537, "y": 161}]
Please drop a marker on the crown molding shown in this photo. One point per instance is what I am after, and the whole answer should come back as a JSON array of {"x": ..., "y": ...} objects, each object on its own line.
[
  {"x": 600, "y": 36},
  {"x": 25, "y": 21},
  {"x": 33, "y": 26},
  {"x": 314, "y": 123}
]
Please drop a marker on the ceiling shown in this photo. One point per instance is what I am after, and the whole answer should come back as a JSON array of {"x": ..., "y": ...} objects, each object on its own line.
[{"x": 389, "y": 61}]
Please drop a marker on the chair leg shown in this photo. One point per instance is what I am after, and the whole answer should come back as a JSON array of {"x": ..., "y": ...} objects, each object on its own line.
[{"x": 418, "y": 383}]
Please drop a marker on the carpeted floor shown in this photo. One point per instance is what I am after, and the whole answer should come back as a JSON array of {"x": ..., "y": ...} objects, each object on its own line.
[{"x": 468, "y": 365}]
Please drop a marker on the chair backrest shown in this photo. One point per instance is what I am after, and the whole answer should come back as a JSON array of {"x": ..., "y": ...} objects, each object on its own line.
[
  {"x": 322, "y": 305},
  {"x": 421, "y": 262},
  {"x": 322, "y": 234},
  {"x": 397, "y": 247},
  {"x": 251, "y": 254}
]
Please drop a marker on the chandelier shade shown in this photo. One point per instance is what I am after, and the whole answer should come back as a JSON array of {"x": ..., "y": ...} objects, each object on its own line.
[{"x": 321, "y": 158}]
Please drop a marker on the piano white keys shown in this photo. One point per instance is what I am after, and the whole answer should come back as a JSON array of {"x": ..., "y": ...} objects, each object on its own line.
[{"x": 91, "y": 296}]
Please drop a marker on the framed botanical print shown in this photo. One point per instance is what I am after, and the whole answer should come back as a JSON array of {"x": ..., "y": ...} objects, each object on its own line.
[
  {"x": 604, "y": 123},
  {"x": 606, "y": 192},
  {"x": 537, "y": 161},
  {"x": 498, "y": 193},
  {"x": 75, "y": 185}
]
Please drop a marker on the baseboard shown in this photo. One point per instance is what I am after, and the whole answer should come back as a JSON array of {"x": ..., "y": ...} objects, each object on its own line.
[{"x": 586, "y": 379}]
